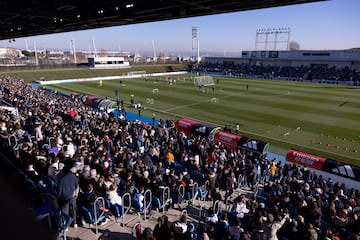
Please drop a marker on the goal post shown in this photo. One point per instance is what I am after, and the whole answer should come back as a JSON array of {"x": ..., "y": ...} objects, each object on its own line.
[{"x": 204, "y": 81}]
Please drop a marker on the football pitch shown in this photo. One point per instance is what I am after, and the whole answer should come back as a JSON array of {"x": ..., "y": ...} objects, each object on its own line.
[{"x": 316, "y": 118}]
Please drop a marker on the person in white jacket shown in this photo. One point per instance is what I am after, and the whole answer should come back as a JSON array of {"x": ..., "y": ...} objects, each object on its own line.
[
  {"x": 113, "y": 196},
  {"x": 239, "y": 207},
  {"x": 275, "y": 223},
  {"x": 212, "y": 216}
]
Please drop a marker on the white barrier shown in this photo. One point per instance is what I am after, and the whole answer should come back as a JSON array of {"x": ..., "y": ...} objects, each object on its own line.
[
  {"x": 155, "y": 90},
  {"x": 108, "y": 78}
]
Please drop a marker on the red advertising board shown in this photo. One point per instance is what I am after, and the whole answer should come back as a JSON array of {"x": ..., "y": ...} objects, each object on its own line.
[
  {"x": 185, "y": 125},
  {"x": 307, "y": 159},
  {"x": 229, "y": 140}
]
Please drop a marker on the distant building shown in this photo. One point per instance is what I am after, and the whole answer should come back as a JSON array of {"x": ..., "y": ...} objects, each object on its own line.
[
  {"x": 10, "y": 53},
  {"x": 108, "y": 62},
  {"x": 308, "y": 58},
  {"x": 10, "y": 56}
]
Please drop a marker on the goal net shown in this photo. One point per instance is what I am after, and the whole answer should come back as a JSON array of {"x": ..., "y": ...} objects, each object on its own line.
[
  {"x": 136, "y": 73},
  {"x": 204, "y": 81}
]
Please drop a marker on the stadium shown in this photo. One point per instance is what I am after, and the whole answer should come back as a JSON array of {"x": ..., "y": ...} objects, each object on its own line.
[{"x": 264, "y": 146}]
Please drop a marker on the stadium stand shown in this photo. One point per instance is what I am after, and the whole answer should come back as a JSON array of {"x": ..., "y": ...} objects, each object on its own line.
[
  {"x": 287, "y": 201},
  {"x": 313, "y": 73}
]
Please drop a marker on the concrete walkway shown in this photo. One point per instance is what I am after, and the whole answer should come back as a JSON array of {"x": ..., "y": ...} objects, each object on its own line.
[{"x": 115, "y": 231}]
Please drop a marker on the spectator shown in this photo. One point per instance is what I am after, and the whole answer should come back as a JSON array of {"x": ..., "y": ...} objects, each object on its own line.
[
  {"x": 222, "y": 227},
  {"x": 113, "y": 196},
  {"x": 162, "y": 230},
  {"x": 68, "y": 193},
  {"x": 236, "y": 230},
  {"x": 275, "y": 223},
  {"x": 190, "y": 232},
  {"x": 212, "y": 217},
  {"x": 39, "y": 137},
  {"x": 179, "y": 228},
  {"x": 239, "y": 208},
  {"x": 209, "y": 234},
  {"x": 147, "y": 234},
  {"x": 310, "y": 232}
]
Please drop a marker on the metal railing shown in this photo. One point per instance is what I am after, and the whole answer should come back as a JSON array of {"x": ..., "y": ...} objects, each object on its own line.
[
  {"x": 96, "y": 217},
  {"x": 202, "y": 212},
  {"x": 228, "y": 203},
  {"x": 217, "y": 207},
  {"x": 147, "y": 201},
  {"x": 128, "y": 207},
  {"x": 194, "y": 192},
  {"x": 166, "y": 198},
  {"x": 206, "y": 189},
  {"x": 183, "y": 212}
]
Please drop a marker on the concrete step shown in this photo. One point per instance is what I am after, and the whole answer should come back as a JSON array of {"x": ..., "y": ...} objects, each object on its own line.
[
  {"x": 81, "y": 233},
  {"x": 116, "y": 231}
]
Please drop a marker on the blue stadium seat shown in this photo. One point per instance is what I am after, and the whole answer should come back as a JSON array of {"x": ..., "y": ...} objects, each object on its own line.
[
  {"x": 115, "y": 209},
  {"x": 261, "y": 199},
  {"x": 157, "y": 204},
  {"x": 89, "y": 214},
  {"x": 202, "y": 193}
]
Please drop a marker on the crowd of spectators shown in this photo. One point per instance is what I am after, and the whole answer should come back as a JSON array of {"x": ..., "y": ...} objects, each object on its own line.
[
  {"x": 318, "y": 72},
  {"x": 82, "y": 153}
]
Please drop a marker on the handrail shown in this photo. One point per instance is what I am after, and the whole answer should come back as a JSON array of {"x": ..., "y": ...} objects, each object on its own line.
[
  {"x": 183, "y": 212},
  {"x": 181, "y": 191},
  {"x": 123, "y": 212},
  {"x": 228, "y": 203},
  {"x": 96, "y": 217},
  {"x": 134, "y": 229},
  {"x": 194, "y": 192},
  {"x": 201, "y": 211},
  {"x": 12, "y": 140},
  {"x": 217, "y": 207},
  {"x": 240, "y": 180},
  {"x": 166, "y": 198},
  {"x": 256, "y": 191},
  {"x": 206, "y": 188},
  {"x": 147, "y": 197},
  {"x": 51, "y": 142}
]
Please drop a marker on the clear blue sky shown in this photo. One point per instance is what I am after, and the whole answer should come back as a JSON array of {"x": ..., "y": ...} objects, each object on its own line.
[{"x": 325, "y": 25}]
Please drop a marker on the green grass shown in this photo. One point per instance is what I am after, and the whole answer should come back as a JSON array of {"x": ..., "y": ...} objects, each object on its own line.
[
  {"x": 69, "y": 73},
  {"x": 326, "y": 114}
]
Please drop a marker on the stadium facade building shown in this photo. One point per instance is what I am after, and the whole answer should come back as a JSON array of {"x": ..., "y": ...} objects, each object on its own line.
[
  {"x": 308, "y": 58},
  {"x": 108, "y": 62}
]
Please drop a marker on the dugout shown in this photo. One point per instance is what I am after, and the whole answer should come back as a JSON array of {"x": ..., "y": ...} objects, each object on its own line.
[
  {"x": 341, "y": 169},
  {"x": 324, "y": 164},
  {"x": 327, "y": 165},
  {"x": 204, "y": 130},
  {"x": 185, "y": 125},
  {"x": 305, "y": 159},
  {"x": 93, "y": 101},
  {"x": 253, "y": 145},
  {"x": 229, "y": 140},
  {"x": 107, "y": 104}
]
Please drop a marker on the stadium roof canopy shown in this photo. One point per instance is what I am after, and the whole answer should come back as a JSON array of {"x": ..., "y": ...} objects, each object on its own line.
[{"x": 21, "y": 18}]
